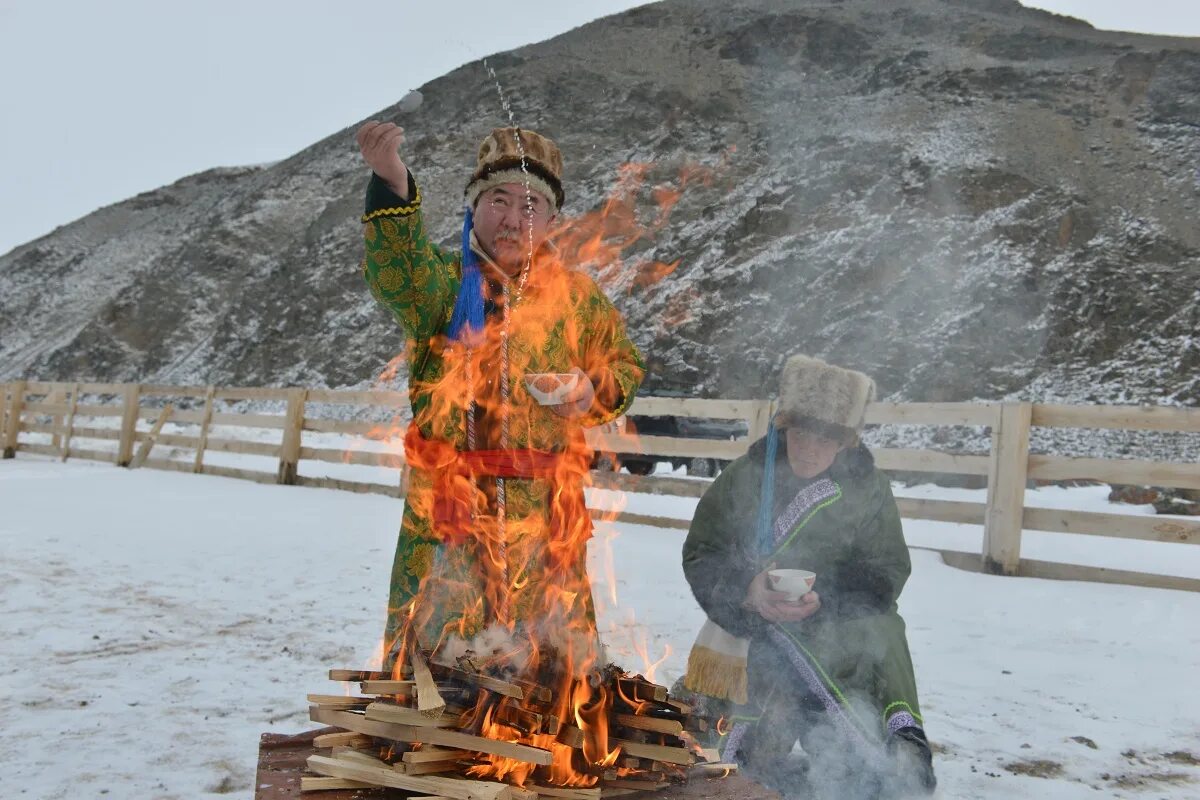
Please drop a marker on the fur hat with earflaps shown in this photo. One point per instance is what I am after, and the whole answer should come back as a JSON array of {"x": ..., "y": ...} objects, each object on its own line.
[
  {"x": 507, "y": 155},
  {"x": 512, "y": 155},
  {"x": 817, "y": 395}
]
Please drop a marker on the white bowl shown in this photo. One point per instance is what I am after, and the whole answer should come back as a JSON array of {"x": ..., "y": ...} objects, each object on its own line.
[
  {"x": 796, "y": 582},
  {"x": 551, "y": 388}
]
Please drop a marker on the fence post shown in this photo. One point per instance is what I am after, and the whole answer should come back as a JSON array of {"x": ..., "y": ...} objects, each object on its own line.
[
  {"x": 205, "y": 424},
  {"x": 15, "y": 403},
  {"x": 129, "y": 418},
  {"x": 54, "y": 398},
  {"x": 293, "y": 425},
  {"x": 1006, "y": 489},
  {"x": 760, "y": 421}
]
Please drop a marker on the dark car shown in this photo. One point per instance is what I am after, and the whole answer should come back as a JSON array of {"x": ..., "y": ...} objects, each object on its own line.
[{"x": 683, "y": 428}]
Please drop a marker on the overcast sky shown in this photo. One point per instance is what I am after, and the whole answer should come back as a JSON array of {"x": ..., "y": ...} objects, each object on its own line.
[{"x": 102, "y": 99}]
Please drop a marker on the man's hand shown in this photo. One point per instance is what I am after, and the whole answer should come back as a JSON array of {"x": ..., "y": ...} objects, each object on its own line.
[
  {"x": 380, "y": 143},
  {"x": 579, "y": 400},
  {"x": 775, "y": 606}
]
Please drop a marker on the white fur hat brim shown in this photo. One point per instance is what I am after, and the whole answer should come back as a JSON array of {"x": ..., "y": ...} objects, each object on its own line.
[
  {"x": 811, "y": 388},
  {"x": 534, "y": 182}
]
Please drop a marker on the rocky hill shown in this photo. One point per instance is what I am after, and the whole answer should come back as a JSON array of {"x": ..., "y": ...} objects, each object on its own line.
[{"x": 966, "y": 199}]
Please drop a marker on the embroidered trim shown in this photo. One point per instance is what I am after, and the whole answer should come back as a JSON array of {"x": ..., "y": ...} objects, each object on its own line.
[
  {"x": 807, "y": 503},
  {"x": 839, "y": 711},
  {"x": 901, "y": 719},
  {"x": 906, "y": 706},
  {"x": 395, "y": 211},
  {"x": 730, "y": 748}
]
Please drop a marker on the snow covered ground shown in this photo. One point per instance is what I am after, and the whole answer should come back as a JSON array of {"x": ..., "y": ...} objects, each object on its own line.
[{"x": 155, "y": 623}]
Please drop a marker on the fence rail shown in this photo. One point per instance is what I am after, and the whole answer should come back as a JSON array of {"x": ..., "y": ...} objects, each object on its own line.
[{"x": 71, "y": 412}]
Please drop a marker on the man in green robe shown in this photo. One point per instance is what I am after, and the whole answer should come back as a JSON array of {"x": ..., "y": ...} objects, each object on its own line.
[
  {"x": 831, "y": 668},
  {"x": 510, "y": 354}
]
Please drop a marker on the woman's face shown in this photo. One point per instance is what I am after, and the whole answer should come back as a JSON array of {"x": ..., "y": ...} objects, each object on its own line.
[{"x": 810, "y": 454}]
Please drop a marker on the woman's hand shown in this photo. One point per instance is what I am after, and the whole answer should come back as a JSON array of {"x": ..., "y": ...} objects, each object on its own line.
[{"x": 776, "y": 606}]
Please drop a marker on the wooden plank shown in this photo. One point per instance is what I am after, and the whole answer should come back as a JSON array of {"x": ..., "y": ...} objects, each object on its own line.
[
  {"x": 179, "y": 417},
  {"x": 387, "y": 687},
  {"x": 37, "y": 449},
  {"x": 646, "y": 406},
  {"x": 942, "y": 510},
  {"x": 289, "y": 449},
  {"x": 205, "y": 424},
  {"x": 82, "y": 410},
  {"x": 565, "y": 792},
  {"x": 968, "y": 414},
  {"x": 341, "y": 701},
  {"x": 656, "y": 752},
  {"x": 93, "y": 455},
  {"x": 356, "y": 675},
  {"x": 426, "y": 754},
  {"x": 249, "y": 393},
  {"x": 370, "y": 458},
  {"x": 362, "y": 487},
  {"x": 403, "y": 715},
  {"x": 43, "y": 387},
  {"x": 55, "y": 398},
  {"x": 666, "y": 445},
  {"x": 273, "y": 421},
  {"x": 1049, "y": 570},
  {"x": 237, "y": 472},
  {"x": 385, "y": 776},
  {"x": 435, "y": 736},
  {"x": 655, "y": 724},
  {"x": 1140, "y": 473},
  {"x": 1149, "y": 528},
  {"x": 167, "y": 464},
  {"x": 359, "y": 397},
  {"x": 343, "y": 739},
  {"x": 1006, "y": 490},
  {"x": 1134, "y": 418},
  {"x": 70, "y": 422},
  {"x": 166, "y": 390},
  {"x": 429, "y": 700},
  {"x": 130, "y": 411},
  {"x": 889, "y": 458},
  {"x": 483, "y": 681},
  {"x": 322, "y": 783},
  {"x": 630, "y": 518},
  {"x": 377, "y": 430},
  {"x": 650, "y": 484},
  {"x": 12, "y": 432},
  {"x": 144, "y": 451},
  {"x": 169, "y": 439},
  {"x": 102, "y": 388},
  {"x": 100, "y": 434},
  {"x": 53, "y": 405},
  {"x": 242, "y": 447}
]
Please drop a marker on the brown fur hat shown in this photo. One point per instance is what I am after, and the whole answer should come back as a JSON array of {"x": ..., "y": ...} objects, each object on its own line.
[
  {"x": 818, "y": 395},
  {"x": 500, "y": 161}
]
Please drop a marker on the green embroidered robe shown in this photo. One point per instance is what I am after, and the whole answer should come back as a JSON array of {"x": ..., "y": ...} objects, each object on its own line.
[{"x": 562, "y": 320}]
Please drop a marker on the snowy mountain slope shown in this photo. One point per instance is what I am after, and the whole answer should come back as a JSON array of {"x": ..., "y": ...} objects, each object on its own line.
[{"x": 967, "y": 199}]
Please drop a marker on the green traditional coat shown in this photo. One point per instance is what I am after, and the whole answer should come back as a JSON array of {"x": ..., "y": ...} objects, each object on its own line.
[
  {"x": 561, "y": 320},
  {"x": 849, "y": 662}
]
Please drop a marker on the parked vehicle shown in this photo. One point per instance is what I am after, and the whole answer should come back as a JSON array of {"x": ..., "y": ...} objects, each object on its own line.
[{"x": 677, "y": 427}]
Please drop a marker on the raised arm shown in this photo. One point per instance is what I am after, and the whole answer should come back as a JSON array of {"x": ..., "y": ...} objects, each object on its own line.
[{"x": 406, "y": 273}]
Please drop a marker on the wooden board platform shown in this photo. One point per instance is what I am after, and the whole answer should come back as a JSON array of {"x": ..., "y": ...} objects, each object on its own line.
[{"x": 281, "y": 763}]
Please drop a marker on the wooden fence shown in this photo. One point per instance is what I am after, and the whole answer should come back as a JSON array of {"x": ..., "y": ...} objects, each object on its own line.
[{"x": 131, "y": 419}]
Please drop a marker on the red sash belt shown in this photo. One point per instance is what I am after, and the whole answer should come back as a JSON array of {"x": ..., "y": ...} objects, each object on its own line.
[{"x": 454, "y": 472}]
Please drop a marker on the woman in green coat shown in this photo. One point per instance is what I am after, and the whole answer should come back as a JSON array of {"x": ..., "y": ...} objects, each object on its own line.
[{"x": 830, "y": 669}]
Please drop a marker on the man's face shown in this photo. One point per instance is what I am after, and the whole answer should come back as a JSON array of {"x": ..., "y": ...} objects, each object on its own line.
[
  {"x": 810, "y": 454},
  {"x": 510, "y": 223}
]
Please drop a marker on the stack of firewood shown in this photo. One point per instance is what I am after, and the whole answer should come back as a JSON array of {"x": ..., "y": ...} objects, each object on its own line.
[{"x": 440, "y": 730}]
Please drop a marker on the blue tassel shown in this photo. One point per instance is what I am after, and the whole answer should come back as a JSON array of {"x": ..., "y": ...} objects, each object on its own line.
[
  {"x": 468, "y": 306},
  {"x": 766, "y": 501}
]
